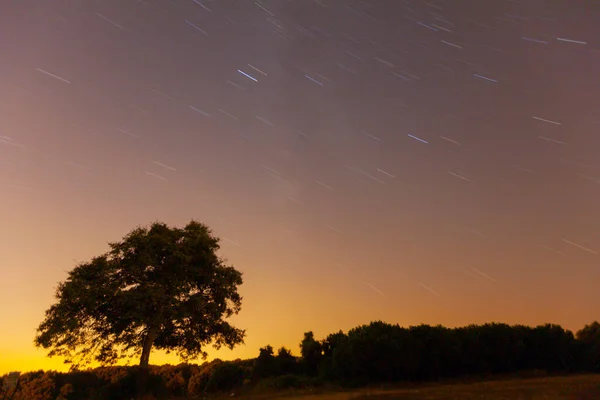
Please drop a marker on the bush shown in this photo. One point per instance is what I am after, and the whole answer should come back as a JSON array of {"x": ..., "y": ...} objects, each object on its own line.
[
  {"x": 217, "y": 376},
  {"x": 197, "y": 382},
  {"x": 225, "y": 376},
  {"x": 37, "y": 385},
  {"x": 65, "y": 391},
  {"x": 121, "y": 384},
  {"x": 174, "y": 378}
]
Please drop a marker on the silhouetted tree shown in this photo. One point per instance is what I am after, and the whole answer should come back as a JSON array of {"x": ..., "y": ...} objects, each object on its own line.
[
  {"x": 264, "y": 365},
  {"x": 311, "y": 352},
  {"x": 377, "y": 352},
  {"x": 437, "y": 352},
  {"x": 589, "y": 337},
  {"x": 332, "y": 341},
  {"x": 329, "y": 345},
  {"x": 159, "y": 287},
  {"x": 286, "y": 363}
]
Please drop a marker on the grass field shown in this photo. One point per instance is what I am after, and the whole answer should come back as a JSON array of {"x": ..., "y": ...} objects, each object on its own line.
[
  {"x": 583, "y": 387},
  {"x": 578, "y": 387}
]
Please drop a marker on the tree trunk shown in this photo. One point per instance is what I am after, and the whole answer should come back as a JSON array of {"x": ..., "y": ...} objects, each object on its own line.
[
  {"x": 148, "y": 341},
  {"x": 144, "y": 362}
]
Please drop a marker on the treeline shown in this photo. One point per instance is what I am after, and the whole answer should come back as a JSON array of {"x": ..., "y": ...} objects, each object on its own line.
[{"x": 368, "y": 354}]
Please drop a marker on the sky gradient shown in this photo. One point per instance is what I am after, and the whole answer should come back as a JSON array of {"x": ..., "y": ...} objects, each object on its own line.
[{"x": 410, "y": 161}]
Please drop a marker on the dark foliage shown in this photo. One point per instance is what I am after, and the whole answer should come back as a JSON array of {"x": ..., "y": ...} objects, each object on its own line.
[
  {"x": 377, "y": 353},
  {"x": 264, "y": 365},
  {"x": 224, "y": 377},
  {"x": 311, "y": 351},
  {"x": 381, "y": 352},
  {"x": 589, "y": 337},
  {"x": 286, "y": 363},
  {"x": 160, "y": 287}
]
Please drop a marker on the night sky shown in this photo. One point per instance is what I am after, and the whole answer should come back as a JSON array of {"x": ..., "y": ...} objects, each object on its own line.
[{"x": 408, "y": 161}]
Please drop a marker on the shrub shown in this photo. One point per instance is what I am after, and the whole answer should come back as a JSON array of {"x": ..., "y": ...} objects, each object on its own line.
[
  {"x": 37, "y": 385},
  {"x": 225, "y": 376}
]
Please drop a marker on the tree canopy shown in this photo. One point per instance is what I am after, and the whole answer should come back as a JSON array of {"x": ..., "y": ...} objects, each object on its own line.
[{"x": 160, "y": 287}]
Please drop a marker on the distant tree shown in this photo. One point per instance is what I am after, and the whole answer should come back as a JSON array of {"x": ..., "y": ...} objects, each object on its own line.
[
  {"x": 264, "y": 365},
  {"x": 160, "y": 287},
  {"x": 332, "y": 341},
  {"x": 312, "y": 352},
  {"x": 555, "y": 344},
  {"x": 378, "y": 352},
  {"x": 329, "y": 345},
  {"x": 438, "y": 352},
  {"x": 589, "y": 337},
  {"x": 286, "y": 363}
]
